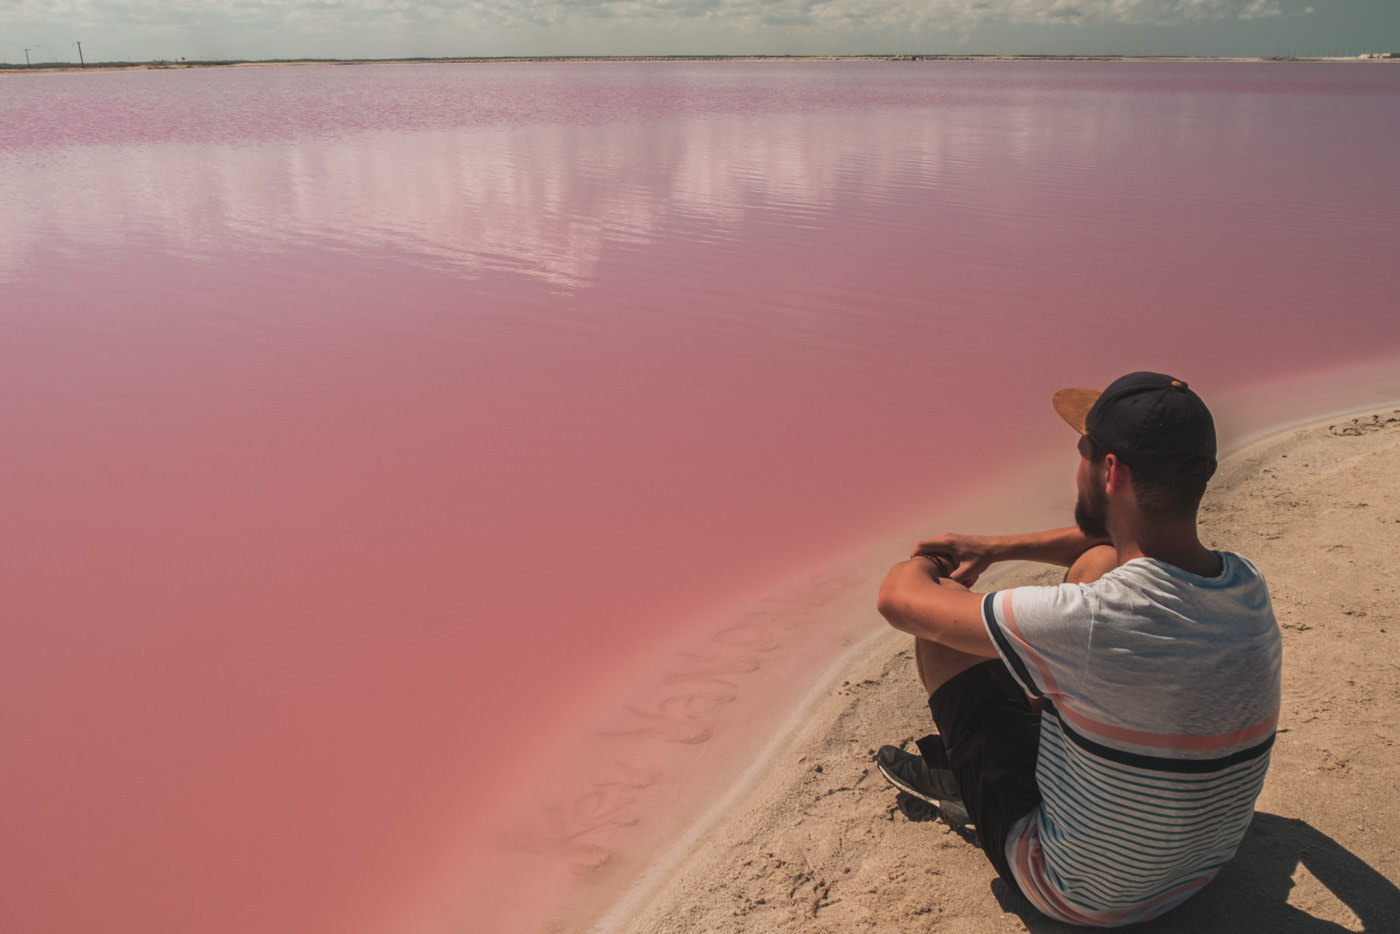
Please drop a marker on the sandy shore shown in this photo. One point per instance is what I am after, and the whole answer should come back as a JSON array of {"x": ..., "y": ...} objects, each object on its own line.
[{"x": 816, "y": 845}]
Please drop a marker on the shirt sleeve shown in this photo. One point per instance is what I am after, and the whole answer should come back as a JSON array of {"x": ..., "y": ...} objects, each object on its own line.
[{"x": 1042, "y": 634}]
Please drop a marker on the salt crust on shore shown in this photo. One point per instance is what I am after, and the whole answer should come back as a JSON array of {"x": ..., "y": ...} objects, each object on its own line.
[{"x": 818, "y": 846}]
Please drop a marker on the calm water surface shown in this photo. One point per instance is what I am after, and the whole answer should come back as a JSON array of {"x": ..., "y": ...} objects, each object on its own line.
[{"x": 364, "y": 426}]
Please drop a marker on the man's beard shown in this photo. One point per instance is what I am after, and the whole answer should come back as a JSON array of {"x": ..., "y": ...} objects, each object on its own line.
[{"x": 1091, "y": 512}]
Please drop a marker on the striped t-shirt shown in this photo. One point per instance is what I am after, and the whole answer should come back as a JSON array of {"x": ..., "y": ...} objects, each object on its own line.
[{"x": 1161, "y": 698}]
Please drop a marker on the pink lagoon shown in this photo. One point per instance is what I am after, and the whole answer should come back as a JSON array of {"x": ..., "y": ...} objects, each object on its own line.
[{"x": 428, "y": 489}]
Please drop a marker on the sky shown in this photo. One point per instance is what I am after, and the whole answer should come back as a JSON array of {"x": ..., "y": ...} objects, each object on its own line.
[{"x": 142, "y": 30}]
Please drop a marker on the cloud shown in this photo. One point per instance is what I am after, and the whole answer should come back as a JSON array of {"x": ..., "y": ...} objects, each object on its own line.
[
  {"x": 799, "y": 13},
  {"x": 1262, "y": 9},
  {"x": 834, "y": 15},
  {"x": 370, "y": 28}
]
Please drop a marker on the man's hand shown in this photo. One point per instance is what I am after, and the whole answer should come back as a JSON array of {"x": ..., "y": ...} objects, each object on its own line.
[
  {"x": 943, "y": 564},
  {"x": 973, "y": 554},
  {"x": 968, "y": 555}
]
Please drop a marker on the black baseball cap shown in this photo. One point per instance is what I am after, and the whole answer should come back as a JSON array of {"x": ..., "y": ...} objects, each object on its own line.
[{"x": 1154, "y": 423}]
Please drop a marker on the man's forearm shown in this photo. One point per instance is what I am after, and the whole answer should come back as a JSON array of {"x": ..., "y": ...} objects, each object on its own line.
[
  {"x": 1052, "y": 546},
  {"x": 973, "y": 554},
  {"x": 918, "y": 598}
]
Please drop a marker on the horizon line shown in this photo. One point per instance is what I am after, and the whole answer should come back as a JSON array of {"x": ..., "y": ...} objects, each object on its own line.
[{"x": 698, "y": 57}]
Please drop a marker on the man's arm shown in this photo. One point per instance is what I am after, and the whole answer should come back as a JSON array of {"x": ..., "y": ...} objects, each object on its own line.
[
  {"x": 973, "y": 554},
  {"x": 917, "y": 597}
]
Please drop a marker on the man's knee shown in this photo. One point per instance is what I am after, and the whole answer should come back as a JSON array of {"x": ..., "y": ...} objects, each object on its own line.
[
  {"x": 1093, "y": 564},
  {"x": 938, "y": 664}
]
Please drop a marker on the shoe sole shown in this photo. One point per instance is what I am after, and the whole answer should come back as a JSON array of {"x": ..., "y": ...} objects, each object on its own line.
[
  {"x": 952, "y": 811},
  {"x": 907, "y": 789}
]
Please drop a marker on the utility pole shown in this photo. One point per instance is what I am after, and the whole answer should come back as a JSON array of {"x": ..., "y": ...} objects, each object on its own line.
[
  {"x": 26, "y": 58},
  {"x": 81, "y": 63}
]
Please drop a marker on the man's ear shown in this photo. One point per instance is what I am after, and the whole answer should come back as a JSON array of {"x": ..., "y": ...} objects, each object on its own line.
[{"x": 1116, "y": 474}]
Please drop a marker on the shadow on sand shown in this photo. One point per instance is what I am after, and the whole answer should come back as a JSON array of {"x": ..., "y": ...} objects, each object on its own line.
[{"x": 1250, "y": 896}]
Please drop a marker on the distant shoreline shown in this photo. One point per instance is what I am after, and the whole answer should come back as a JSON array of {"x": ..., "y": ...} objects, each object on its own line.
[{"x": 159, "y": 65}]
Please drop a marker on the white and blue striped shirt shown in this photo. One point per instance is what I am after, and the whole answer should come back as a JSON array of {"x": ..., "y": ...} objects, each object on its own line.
[{"x": 1160, "y": 695}]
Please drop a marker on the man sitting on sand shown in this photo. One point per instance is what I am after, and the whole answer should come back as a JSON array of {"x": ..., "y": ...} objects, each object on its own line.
[{"x": 1107, "y": 736}]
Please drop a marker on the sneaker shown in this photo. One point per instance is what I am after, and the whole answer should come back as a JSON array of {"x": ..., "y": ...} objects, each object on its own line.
[
  {"x": 951, "y": 813},
  {"x": 911, "y": 774}
]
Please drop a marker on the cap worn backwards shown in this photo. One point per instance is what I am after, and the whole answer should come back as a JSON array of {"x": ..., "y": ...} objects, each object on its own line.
[{"x": 1154, "y": 423}]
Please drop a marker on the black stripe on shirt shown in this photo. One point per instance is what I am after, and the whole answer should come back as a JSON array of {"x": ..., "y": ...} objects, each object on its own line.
[
  {"x": 1003, "y": 644},
  {"x": 1157, "y": 763}
]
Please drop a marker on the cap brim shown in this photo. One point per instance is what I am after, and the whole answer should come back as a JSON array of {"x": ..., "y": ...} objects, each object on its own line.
[{"x": 1074, "y": 405}]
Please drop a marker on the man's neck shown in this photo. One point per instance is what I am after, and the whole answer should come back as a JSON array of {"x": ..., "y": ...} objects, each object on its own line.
[{"x": 1176, "y": 544}]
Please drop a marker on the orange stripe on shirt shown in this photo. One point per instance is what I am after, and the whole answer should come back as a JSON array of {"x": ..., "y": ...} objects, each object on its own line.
[
  {"x": 1027, "y": 651},
  {"x": 1256, "y": 731}
]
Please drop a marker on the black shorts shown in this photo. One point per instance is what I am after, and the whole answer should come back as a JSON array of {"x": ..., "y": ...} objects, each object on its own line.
[{"x": 990, "y": 737}]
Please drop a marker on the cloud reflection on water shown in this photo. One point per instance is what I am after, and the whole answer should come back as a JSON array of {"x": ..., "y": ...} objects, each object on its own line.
[{"x": 536, "y": 200}]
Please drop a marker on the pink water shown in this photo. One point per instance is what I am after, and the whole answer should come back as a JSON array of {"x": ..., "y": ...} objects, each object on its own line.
[{"x": 364, "y": 428}]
